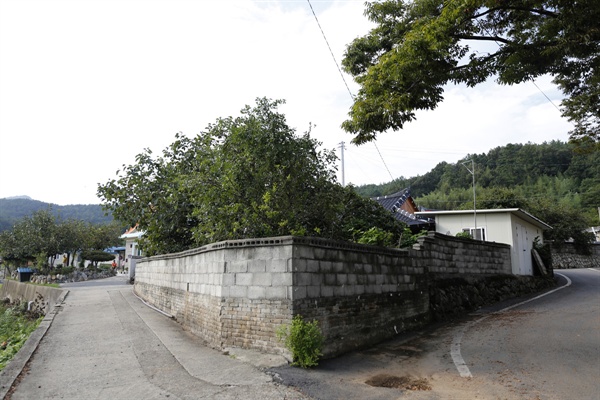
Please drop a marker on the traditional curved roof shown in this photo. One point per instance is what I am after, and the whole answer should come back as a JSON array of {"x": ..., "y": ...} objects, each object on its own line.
[{"x": 403, "y": 207}]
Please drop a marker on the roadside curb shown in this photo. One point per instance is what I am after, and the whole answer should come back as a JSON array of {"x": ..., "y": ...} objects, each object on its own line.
[{"x": 15, "y": 367}]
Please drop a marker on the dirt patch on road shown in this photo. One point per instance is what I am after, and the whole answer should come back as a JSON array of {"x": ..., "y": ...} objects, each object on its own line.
[{"x": 398, "y": 382}]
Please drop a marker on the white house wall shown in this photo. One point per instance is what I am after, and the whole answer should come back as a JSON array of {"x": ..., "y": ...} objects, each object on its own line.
[
  {"x": 499, "y": 228},
  {"x": 523, "y": 265}
]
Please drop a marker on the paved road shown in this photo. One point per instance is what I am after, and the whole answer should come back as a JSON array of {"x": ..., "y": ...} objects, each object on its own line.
[
  {"x": 105, "y": 344},
  {"x": 548, "y": 348}
]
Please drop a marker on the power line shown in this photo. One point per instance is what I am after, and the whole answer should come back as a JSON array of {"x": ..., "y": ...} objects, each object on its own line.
[
  {"x": 532, "y": 81},
  {"x": 344, "y": 79},
  {"x": 330, "y": 51},
  {"x": 426, "y": 200},
  {"x": 546, "y": 96},
  {"x": 383, "y": 161},
  {"x": 491, "y": 164}
]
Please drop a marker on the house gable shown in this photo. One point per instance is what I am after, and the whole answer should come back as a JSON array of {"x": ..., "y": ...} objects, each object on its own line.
[{"x": 402, "y": 205}]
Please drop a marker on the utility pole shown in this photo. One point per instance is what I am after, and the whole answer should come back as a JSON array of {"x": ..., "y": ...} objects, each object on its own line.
[
  {"x": 342, "y": 147},
  {"x": 472, "y": 171}
]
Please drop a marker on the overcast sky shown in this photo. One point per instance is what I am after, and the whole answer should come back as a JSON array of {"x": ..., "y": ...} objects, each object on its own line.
[{"x": 86, "y": 85}]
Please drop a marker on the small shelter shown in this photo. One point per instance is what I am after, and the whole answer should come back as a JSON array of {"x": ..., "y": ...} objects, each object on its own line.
[{"x": 512, "y": 226}]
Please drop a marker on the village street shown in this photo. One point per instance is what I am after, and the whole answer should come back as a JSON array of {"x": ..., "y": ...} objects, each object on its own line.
[
  {"x": 547, "y": 348},
  {"x": 105, "y": 344}
]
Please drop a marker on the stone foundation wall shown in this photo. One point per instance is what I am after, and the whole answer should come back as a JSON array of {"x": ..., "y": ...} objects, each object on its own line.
[
  {"x": 453, "y": 297},
  {"x": 237, "y": 293},
  {"x": 250, "y": 323},
  {"x": 569, "y": 257}
]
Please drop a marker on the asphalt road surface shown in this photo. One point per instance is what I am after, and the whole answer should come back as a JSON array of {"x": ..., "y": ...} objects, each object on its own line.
[{"x": 547, "y": 347}]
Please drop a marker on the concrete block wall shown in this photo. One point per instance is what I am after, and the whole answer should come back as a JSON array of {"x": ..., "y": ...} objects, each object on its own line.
[
  {"x": 359, "y": 294},
  {"x": 237, "y": 293},
  {"x": 233, "y": 293},
  {"x": 448, "y": 255}
]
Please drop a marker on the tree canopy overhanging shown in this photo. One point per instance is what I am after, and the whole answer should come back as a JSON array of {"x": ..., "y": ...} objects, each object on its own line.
[{"x": 419, "y": 46}]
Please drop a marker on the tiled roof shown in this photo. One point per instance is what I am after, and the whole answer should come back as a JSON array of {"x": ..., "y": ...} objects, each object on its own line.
[{"x": 394, "y": 202}]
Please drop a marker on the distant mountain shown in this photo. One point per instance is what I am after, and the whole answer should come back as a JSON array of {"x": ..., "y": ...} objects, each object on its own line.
[
  {"x": 512, "y": 175},
  {"x": 14, "y": 208},
  {"x": 18, "y": 197}
]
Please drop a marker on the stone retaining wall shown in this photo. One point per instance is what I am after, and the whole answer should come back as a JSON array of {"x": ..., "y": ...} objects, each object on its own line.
[
  {"x": 454, "y": 297},
  {"x": 237, "y": 293},
  {"x": 14, "y": 291},
  {"x": 568, "y": 257}
]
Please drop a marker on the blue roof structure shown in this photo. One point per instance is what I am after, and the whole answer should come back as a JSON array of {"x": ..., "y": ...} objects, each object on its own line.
[{"x": 114, "y": 250}]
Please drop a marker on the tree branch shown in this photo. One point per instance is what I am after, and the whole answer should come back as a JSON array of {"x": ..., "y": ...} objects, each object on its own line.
[
  {"x": 532, "y": 10},
  {"x": 494, "y": 38}
]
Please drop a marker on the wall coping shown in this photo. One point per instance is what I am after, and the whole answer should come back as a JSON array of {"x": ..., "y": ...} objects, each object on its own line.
[
  {"x": 319, "y": 242},
  {"x": 431, "y": 236},
  {"x": 280, "y": 241}
]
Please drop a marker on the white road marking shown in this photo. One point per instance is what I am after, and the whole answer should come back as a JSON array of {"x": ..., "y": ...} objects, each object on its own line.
[
  {"x": 459, "y": 362},
  {"x": 457, "y": 358}
]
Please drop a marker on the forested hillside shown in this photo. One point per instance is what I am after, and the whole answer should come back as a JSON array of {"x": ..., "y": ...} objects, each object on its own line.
[
  {"x": 13, "y": 209},
  {"x": 531, "y": 176}
]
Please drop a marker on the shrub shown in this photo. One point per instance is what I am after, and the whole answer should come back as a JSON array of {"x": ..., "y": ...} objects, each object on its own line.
[
  {"x": 304, "y": 340},
  {"x": 408, "y": 238},
  {"x": 464, "y": 235},
  {"x": 544, "y": 250},
  {"x": 375, "y": 236},
  {"x": 64, "y": 270}
]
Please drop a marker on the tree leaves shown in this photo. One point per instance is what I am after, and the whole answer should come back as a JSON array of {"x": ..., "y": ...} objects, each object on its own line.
[
  {"x": 242, "y": 177},
  {"x": 41, "y": 236},
  {"x": 418, "y": 47}
]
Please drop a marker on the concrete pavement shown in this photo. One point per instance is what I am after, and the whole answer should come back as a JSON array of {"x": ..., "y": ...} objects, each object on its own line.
[{"x": 104, "y": 343}]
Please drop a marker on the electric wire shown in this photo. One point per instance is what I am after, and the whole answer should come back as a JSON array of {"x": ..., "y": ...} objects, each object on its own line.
[
  {"x": 483, "y": 28},
  {"x": 353, "y": 97},
  {"x": 330, "y": 51},
  {"x": 344, "y": 79}
]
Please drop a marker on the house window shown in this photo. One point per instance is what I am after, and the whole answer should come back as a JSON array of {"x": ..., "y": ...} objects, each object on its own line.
[{"x": 478, "y": 233}]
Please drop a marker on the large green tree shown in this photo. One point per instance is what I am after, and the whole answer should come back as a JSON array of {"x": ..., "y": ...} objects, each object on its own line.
[
  {"x": 41, "y": 237},
  {"x": 419, "y": 46},
  {"x": 242, "y": 177}
]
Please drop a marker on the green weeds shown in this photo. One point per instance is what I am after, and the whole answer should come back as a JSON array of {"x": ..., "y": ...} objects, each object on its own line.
[{"x": 16, "y": 324}]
